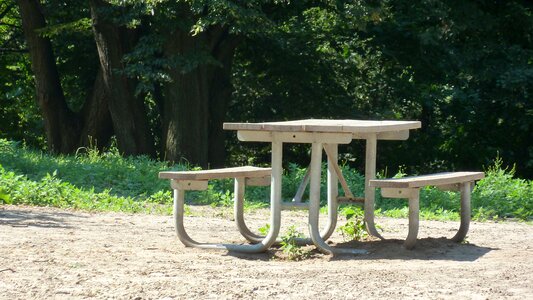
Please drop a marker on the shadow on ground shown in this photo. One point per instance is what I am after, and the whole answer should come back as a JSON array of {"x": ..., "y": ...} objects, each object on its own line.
[
  {"x": 24, "y": 218},
  {"x": 390, "y": 249},
  {"x": 425, "y": 249}
]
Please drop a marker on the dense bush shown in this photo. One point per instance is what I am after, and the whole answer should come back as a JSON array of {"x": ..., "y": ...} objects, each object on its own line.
[{"x": 107, "y": 181}]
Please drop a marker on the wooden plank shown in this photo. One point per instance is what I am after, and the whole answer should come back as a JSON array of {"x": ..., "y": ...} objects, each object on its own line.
[
  {"x": 294, "y": 137},
  {"x": 246, "y": 171},
  {"x": 401, "y": 135},
  {"x": 398, "y": 193},
  {"x": 322, "y": 125},
  {"x": 424, "y": 180},
  {"x": 189, "y": 185}
]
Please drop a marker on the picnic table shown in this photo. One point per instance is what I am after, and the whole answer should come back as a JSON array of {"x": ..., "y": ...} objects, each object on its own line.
[{"x": 322, "y": 135}]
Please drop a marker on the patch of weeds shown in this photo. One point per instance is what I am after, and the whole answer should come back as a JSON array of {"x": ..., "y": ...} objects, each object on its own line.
[
  {"x": 465, "y": 241},
  {"x": 354, "y": 229},
  {"x": 289, "y": 246},
  {"x": 264, "y": 229},
  {"x": 223, "y": 198}
]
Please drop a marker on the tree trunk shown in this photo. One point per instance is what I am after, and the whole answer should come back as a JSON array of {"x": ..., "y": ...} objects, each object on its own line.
[
  {"x": 62, "y": 126},
  {"x": 97, "y": 125},
  {"x": 196, "y": 102},
  {"x": 220, "y": 93},
  {"x": 185, "y": 119},
  {"x": 128, "y": 112}
]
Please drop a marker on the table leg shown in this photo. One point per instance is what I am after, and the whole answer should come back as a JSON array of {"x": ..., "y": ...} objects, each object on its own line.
[
  {"x": 370, "y": 192},
  {"x": 333, "y": 191},
  {"x": 314, "y": 205}
]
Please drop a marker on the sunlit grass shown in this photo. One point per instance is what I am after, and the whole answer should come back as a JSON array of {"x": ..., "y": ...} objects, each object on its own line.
[{"x": 107, "y": 181}]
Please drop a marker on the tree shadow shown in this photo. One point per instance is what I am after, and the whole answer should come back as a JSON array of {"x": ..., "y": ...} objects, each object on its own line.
[
  {"x": 425, "y": 249},
  {"x": 24, "y": 218}
]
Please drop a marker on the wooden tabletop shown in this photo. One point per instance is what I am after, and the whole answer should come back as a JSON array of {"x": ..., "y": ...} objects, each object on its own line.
[{"x": 322, "y": 125}]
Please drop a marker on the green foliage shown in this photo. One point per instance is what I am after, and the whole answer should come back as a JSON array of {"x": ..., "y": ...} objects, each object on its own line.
[
  {"x": 500, "y": 195},
  {"x": 290, "y": 247},
  {"x": 463, "y": 68},
  {"x": 106, "y": 181},
  {"x": 51, "y": 191},
  {"x": 263, "y": 230},
  {"x": 355, "y": 228}
]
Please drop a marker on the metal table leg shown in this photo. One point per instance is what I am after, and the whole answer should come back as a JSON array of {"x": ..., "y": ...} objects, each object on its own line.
[
  {"x": 314, "y": 205},
  {"x": 370, "y": 192}
]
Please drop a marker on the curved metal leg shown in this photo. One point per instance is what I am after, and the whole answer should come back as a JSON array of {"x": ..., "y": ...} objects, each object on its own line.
[
  {"x": 275, "y": 209},
  {"x": 332, "y": 205},
  {"x": 314, "y": 205},
  {"x": 333, "y": 192},
  {"x": 370, "y": 192},
  {"x": 413, "y": 219},
  {"x": 465, "y": 212},
  {"x": 240, "y": 184}
]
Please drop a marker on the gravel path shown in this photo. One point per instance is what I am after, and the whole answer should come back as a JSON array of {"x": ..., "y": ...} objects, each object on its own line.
[{"x": 59, "y": 254}]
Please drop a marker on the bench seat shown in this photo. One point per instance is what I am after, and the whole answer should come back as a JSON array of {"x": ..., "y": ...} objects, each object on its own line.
[
  {"x": 409, "y": 187},
  {"x": 182, "y": 181},
  {"x": 235, "y": 172},
  {"x": 438, "y": 179}
]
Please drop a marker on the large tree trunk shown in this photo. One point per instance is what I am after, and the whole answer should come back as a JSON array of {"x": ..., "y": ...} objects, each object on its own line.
[
  {"x": 97, "y": 125},
  {"x": 185, "y": 118},
  {"x": 62, "y": 126},
  {"x": 128, "y": 112},
  {"x": 220, "y": 90},
  {"x": 196, "y": 101}
]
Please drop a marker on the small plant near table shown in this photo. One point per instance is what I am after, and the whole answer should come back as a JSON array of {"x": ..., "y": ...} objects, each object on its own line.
[
  {"x": 289, "y": 246},
  {"x": 265, "y": 229},
  {"x": 354, "y": 229}
]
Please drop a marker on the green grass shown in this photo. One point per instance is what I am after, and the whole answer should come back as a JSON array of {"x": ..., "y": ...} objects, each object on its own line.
[{"x": 107, "y": 181}]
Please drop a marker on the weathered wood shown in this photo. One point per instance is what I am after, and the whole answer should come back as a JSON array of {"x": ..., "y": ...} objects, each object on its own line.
[
  {"x": 440, "y": 179},
  {"x": 294, "y": 137},
  {"x": 401, "y": 135},
  {"x": 398, "y": 192},
  {"x": 321, "y": 125},
  {"x": 246, "y": 171},
  {"x": 189, "y": 185}
]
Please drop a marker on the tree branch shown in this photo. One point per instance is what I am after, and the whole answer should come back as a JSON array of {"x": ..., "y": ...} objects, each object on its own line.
[
  {"x": 13, "y": 50},
  {"x": 7, "y": 10}
]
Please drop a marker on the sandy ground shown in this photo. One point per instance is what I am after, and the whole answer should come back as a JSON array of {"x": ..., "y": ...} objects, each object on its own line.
[{"x": 57, "y": 254}]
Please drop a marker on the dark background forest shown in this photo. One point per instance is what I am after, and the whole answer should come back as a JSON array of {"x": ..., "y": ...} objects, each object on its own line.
[{"x": 159, "y": 78}]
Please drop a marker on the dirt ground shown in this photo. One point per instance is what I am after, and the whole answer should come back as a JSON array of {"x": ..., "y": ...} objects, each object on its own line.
[{"x": 58, "y": 254}]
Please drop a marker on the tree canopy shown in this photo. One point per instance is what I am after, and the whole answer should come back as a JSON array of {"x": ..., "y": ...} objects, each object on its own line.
[{"x": 161, "y": 76}]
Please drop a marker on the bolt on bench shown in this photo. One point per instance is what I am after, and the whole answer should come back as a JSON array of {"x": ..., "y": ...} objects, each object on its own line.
[
  {"x": 409, "y": 187},
  {"x": 182, "y": 181}
]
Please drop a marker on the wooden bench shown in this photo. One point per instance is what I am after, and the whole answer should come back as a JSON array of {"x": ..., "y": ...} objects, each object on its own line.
[
  {"x": 182, "y": 181},
  {"x": 408, "y": 187}
]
